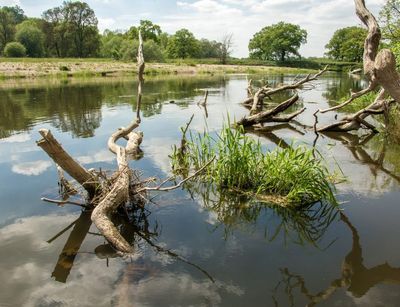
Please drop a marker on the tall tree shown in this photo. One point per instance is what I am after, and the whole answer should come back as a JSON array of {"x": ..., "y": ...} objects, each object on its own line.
[
  {"x": 82, "y": 26},
  {"x": 225, "y": 47},
  {"x": 29, "y": 35},
  {"x": 55, "y": 32},
  {"x": 7, "y": 27},
  {"x": 277, "y": 42},
  {"x": 72, "y": 29},
  {"x": 149, "y": 30},
  {"x": 347, "y": 44},
  {"x": 17, "y": 13},
  {"x": 183, "y": 45}
]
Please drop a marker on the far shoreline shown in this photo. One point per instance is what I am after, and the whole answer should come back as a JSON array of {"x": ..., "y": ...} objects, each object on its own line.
[{"x": 28, "y": 68}]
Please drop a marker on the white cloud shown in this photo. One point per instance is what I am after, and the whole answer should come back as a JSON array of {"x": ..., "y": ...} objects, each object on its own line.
[
  {"x": 17, "y": 138},
  {"x": 31, "y": 168},
  {"x": 101, "y": 156}
]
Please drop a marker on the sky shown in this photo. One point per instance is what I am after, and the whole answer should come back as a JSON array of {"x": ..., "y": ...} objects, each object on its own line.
[{"x": 212, "y": 19}]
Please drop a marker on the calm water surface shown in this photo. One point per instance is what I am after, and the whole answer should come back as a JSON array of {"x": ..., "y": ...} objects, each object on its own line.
[{"x": 193, "y": 247}]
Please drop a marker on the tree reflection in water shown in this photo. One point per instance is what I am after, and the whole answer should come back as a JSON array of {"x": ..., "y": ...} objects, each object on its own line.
[
  {"x": 355, "y": 276},
  {"x": 135, "y": 229},
  {"x": 302, "y": 225}
]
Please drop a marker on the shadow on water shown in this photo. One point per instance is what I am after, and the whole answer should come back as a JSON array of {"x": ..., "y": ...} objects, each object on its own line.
[
  {"x": 355, "y": 276},
  {"x": 135, "y": 229},
  {"x": 305, "y": 225}
]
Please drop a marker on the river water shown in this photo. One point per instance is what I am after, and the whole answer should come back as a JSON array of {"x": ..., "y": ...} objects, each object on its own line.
[{"x": 192, "y": 247}]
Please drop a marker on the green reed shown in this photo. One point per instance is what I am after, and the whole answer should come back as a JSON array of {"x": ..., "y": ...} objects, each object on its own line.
[{"x": 294, "y": 175}]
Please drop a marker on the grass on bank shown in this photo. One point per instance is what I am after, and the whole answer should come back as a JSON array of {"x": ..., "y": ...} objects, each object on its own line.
[{"x": 290, "y": 176}]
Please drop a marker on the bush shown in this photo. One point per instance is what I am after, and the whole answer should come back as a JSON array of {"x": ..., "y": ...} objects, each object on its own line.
[
  {"x": 32, "y": 38},
  {"x": 14, "y": 50}
]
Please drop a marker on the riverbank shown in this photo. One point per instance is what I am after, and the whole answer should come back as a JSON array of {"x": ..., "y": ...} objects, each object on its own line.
[{"x": 68, "y": 68}]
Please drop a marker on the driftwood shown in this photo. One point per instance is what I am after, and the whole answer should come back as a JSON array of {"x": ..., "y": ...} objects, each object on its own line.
[
  {"x": 256, "y": 102},
  {"x": 380, "y": 69},
  {"x": 123, "y": 188}
]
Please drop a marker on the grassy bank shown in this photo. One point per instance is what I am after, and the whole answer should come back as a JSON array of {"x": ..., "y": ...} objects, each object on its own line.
[{"x": 66, "y": 68}]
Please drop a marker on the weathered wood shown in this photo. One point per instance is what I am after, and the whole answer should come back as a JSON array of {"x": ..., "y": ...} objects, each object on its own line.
[
  {"x": 380, "y": 69},
  {"x": 56, "y": 152},
  {"x": 268, "y": 115},
  {"x": 101, "y": 215},
  {"x": 267, "y": 91}
]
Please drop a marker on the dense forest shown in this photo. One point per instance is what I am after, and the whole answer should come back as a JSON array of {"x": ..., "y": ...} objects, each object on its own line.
[{"x": 71, "y": 30}]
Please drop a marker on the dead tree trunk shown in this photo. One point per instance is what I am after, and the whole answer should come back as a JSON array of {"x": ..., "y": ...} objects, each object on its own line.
[
  {"x": 272, "y": 115},
  {"x": 380, "y": 69}
]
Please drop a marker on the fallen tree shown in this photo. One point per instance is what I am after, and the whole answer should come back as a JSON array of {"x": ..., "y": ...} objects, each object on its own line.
[
  {"x": 256, "y": 102},
  {"x": 380, "y": 70},
  {"x": 123, "y": 189}
]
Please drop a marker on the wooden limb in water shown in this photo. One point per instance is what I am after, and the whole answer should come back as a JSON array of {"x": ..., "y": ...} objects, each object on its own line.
[
  {"x": 119, "y": 191},
  {"x": 268, "y": 115},
  {"x": 357, "y": 120},
  {"x": 380, "y": 69},
  {"x": 117, "y": 196},
  {"x": 141, "y": 66},
  {"x": 353, "y": 96},
  {"x": 203, "y": 102},
  {"x": 267, "y": 91},
  {"x": 55, "y": 151}
]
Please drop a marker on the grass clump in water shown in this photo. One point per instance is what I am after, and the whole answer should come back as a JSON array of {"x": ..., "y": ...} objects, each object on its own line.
[{"x": 290, "y": 176}]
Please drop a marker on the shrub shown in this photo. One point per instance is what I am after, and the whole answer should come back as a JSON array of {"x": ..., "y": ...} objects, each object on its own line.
[{"x": 14, "y": 50}]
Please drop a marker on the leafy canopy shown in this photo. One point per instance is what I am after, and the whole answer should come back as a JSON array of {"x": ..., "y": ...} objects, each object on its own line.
[
  {"x": 277, "y": 42},
  {"x": 183, "y": 45},
  {"x": 347, "y": 44}
]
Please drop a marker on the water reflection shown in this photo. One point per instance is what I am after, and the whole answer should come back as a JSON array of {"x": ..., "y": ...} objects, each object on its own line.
[
  {"x": 231, "y": 210},
  {"x": 76, "y": 108},
  {"x": 136, "y": 229},
  {"x": 355, "y": 276}
]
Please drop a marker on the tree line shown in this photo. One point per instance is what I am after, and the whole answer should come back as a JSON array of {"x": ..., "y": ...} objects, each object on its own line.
[{"x": 71, "y": 30}]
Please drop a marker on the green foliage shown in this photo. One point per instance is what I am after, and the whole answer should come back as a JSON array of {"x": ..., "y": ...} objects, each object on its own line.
[
  {"x": 389, "y": 18},
  {"x": 277, "y": 42},
  {"x": 291, "y": 176},
  {"x": 151, "y": 51},
  {"x": 347, "y": 44},
  {"x": 14, "y": 50},
  {"x": 395, "y": 47},
  {"x": 182, "y": 45},
  {"x": 32, "y": 38},
  {"x": 7, "y": 27},
  {"x": 71, "y": 30}
]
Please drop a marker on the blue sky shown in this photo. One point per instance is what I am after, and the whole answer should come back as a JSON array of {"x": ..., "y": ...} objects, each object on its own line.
[{"x": 213, "y": 18}]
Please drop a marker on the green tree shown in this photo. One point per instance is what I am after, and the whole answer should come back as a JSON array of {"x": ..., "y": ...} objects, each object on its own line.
[
  {"x": 14, "y": 50},
  {"x": 29, "y": 35},
  {"x": 208, "y": 49},
  {"x": 54, "y": 32},
  {"x": 7, "y": 27},
  {"x": 347, "y": 44},
  {"x": 82, "y": 27},
  {"x": 182, "y": 45},
  {"x": 149, "y": 30},
  {"x": 111, "y": 44},
  {"x": 17, "y": 13},
  {"x": 71, "y": 30},
  {"x": 277, "y": 42},
  {"x": 151, "y": 51},
  {"x": 389, "y": 18}
]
